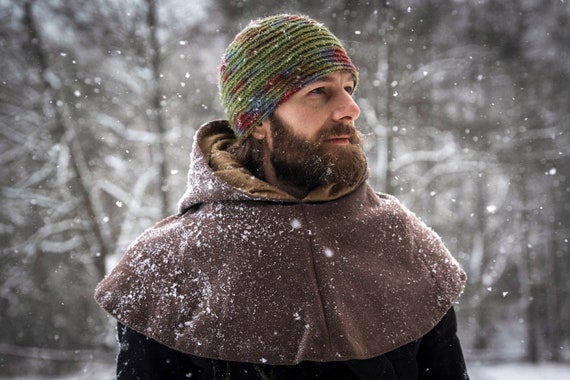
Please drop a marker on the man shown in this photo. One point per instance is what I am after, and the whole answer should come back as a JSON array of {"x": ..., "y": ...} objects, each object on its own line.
[{"x": 282, "y": 263}]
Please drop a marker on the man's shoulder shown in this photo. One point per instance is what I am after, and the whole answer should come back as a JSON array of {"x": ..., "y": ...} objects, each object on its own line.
[
  {"x": 163, "y": 233},
  {"x": 384, "y": 200}
]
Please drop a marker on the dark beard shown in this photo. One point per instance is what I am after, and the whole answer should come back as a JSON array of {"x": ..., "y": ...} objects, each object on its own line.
[{"x": 307, "y": 164}]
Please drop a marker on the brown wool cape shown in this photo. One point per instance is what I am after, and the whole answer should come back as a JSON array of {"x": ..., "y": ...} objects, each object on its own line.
[{"x": 245, "y": 272}]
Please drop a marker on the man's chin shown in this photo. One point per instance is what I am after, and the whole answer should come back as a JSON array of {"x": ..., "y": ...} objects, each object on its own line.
[{"x": 346, "y": 162}]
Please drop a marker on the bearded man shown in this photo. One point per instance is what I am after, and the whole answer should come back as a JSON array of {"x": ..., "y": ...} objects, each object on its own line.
[{"x": 282, "y": 262}]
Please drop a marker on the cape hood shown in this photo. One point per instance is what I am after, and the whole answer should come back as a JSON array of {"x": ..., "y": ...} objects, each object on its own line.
[{"x": 245, "y": 272}]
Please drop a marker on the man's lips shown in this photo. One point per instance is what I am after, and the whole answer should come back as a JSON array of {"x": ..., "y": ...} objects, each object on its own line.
[{"x": 339, "y": 140}]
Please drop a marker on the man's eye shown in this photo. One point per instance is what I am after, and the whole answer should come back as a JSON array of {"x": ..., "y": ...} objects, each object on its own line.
[
  {"x": 318, "y": 90},
  {"x": 349, "y": 89}
]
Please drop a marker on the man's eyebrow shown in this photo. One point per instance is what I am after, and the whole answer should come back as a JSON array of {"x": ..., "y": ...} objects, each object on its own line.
[{"x": 327, "y": 78}]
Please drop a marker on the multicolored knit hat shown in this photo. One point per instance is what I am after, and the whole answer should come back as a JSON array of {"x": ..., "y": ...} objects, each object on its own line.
[{"x": 270, "y": 60}]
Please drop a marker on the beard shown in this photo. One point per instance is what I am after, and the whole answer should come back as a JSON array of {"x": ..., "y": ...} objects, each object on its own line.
[{"x": 307, "y": 164}]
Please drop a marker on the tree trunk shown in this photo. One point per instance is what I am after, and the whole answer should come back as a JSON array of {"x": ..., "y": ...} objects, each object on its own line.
[
  {"x": 62, "y": 133},
  {"x": 390, "y": 123},
  {"x": 159, "y": 147},
  {"x": 480, "y": 250},
  {"x": 528, "y": 287}
]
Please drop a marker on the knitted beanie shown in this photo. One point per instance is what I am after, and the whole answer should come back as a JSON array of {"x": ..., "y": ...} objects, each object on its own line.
[{"x": 270, "y": 60}]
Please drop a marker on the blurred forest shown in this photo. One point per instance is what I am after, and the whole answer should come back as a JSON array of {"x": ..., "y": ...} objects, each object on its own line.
[{"x": 465, "y": 108}]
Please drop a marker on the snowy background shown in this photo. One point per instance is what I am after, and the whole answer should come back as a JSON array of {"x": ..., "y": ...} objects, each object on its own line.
[{"x": 464, "y": 104}]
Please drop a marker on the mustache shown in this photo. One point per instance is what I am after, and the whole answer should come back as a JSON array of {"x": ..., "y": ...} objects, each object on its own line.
[{"x": 339, "y": 129}]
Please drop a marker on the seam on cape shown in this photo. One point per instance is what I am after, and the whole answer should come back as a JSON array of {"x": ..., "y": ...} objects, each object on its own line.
[{"x": 316, "y": 276}]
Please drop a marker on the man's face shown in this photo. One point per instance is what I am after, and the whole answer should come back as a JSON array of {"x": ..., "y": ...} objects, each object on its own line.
[
  {"x": 319, "y": 104},
  {"x": 313, "y": 140}
]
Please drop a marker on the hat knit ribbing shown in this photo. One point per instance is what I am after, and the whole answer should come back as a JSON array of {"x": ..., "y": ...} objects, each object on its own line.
[{"x": 270, "y": 60}]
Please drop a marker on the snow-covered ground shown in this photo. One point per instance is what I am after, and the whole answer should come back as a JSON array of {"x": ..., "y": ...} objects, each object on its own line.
[
  {"x": 519, "y": 371},
  {"x": 477, "y": 371}
]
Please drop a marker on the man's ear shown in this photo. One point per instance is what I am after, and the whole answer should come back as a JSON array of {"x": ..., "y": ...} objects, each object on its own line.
[{"x": 262, "y": 130}]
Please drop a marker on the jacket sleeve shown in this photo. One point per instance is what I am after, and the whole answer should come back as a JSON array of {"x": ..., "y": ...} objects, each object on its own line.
[
  {"x": 440, "y": 355},
  {"x": 142, "y": 358}
]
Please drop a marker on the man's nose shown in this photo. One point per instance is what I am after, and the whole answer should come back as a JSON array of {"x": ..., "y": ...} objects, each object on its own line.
[{"x": 346, "y": 108}]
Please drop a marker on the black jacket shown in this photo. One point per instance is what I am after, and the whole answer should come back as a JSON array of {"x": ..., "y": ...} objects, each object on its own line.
[{"x": 437, "y": 355}]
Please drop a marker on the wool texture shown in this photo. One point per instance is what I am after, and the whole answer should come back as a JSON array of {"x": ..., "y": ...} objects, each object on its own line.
[{"x": 270, "y": 60}]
